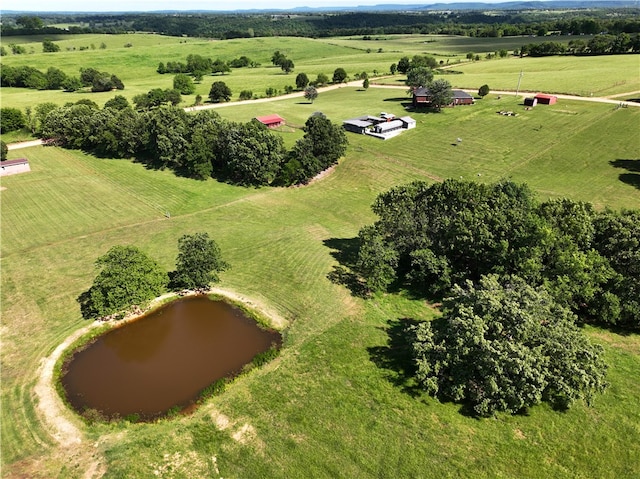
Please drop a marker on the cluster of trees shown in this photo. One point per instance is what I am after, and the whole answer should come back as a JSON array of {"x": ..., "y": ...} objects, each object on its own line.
[
  {"x": 463, "y": 22},
  {"x": 196, "y": 65},
  {"x": 56, "y": 79},
  {"x": 197, "y": 145},
  {"x": 432, "y": 237},
  {"x": 157, "y": 97},
  {"x": 419, "y": 71},
  {"x": 405, "y": 64},
  {"x": 128, "y": 277},
  {"x": 49, "y": 47},
  {"x": 518, "y": 274},
  {"x": 303, "y": 81},
  {"x": 503, "y": 345},
  {"x": 598, "y": 45},
  {"x": 280, "y": 59},
  {"x": 12, "y": 119}
]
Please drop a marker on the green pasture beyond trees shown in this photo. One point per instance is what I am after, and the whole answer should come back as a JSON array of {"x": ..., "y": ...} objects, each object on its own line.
[
  {"x": 337, "y": 402},
  {"x": 136, "y": 65}
]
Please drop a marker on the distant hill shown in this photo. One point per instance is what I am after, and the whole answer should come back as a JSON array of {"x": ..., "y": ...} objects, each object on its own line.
[{"x": 523, "y": 5}]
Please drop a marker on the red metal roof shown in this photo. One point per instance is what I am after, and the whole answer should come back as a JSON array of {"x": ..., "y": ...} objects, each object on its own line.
[
  {"x": 270, "y": 119},
  {"x": 544, "y": 95}
]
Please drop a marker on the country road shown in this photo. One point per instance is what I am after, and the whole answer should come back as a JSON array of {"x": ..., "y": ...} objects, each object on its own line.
[{"x": 613, "y": 99}]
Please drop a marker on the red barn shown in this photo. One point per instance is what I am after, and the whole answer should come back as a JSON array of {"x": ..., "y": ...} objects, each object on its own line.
[
  {"x": 546, "y": 99},
  {"x": 271, "y": 121}
]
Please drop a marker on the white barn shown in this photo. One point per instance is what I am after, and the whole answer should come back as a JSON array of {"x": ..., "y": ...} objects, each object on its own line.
[{"x": 13, "y": 167}]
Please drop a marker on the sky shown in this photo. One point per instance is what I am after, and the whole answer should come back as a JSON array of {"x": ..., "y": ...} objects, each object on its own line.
[{"x": 155, "y": 5}]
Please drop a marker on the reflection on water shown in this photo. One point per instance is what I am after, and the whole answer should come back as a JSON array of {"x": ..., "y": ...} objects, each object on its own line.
[{"x": 164, "y": 359}]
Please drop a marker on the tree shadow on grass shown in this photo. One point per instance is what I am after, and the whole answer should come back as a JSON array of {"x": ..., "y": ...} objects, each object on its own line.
[
  {"x": 633, "y": 168},
  {"x": 345, "y": 251},
  {"x": 396, "y": 357}
]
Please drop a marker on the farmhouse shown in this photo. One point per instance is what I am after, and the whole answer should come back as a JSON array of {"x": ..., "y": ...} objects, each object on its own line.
[
  {"x": 422, "y": 97},
  {"x": 384, "y": 126},
  {"x": 13, "y": 167},
  {"x": 462, "y": 98},
  {"x": 271, "y": 121},
  {"x": 544, "y": 99}
]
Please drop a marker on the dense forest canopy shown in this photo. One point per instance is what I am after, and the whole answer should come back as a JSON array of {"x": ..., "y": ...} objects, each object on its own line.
[
  {"x": 430, "y": 238},
  {"x": 234, "y": 25}
]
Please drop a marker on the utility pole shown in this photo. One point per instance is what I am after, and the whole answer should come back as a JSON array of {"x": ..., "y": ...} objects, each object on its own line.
[{"x": 518, "y": 87}]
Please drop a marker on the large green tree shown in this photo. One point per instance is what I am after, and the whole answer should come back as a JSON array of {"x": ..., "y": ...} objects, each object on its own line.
[
  {"x": 328, "y": 141},
  {"x": 49, "y": 47},
  {"x": 441, "y": 94},
  {"x": 287, "y": 65},
  {"x": 12, "y": 119},
  {"x": 184, "y": 84},
  {"x": 302, "y": 80},
  {"x": 55, "y": 78},
  {"x": 506, "y": 346},
  {"x": 339, "y": 75},
  {"x": 198, "y": 263},
  {"x": 219, "y": 92},
  {"x": 404, "y": 65},
  {"x": 419, "y": 77},
  {"x": 168, "y": 143},
  {"x": 617, "y": 238},
  {"x": 251, "y": 154},
  {"x": 310, "y": 93},
  {"x": 127, "y": 278}
]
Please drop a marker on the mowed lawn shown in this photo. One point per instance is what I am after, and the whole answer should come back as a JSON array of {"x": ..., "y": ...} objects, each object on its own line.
[
  {"x": 335, "y": 403},
  {"x": 136, "y": 65}
]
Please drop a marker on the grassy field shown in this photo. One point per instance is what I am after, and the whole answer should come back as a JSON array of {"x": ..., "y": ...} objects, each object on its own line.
[
  {"x": 336, "y": 403},
  {"x": 136, "y": 65}
]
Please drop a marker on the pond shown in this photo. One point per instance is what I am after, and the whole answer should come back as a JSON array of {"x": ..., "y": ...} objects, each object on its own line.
[{"x": 163, "y": 360}]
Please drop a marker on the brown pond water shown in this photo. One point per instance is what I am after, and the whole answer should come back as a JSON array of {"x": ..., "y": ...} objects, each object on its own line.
[{"x": 163, "y": 359}]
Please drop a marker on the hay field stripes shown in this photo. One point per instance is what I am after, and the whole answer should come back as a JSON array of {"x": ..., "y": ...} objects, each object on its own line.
[
  {"x": 136, "y": 66},
  {"x": 327, "y": 406}
]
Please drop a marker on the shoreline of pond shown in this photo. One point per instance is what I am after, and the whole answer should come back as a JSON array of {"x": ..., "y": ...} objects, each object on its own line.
[{"x": 61, "y": 418}]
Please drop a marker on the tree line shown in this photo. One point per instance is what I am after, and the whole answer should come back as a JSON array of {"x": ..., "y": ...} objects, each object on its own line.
[
  {"x": 56, "y": 79},
  {"x": 516, "y": 277},
  {"x": 432, "y": 237},
  {"x": 128, "y": 277},
  {"x": 463, "y": 22},
  {"x": 198, "y": 145},
  {"x": 598, "y": 45}
]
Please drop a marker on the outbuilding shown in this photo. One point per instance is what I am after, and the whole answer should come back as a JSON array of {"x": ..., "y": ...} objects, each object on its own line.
[
  {"x": 408, "y": 122},
  {"x": 357, "y": 125},
  {"x": 13, "y": 167},
  {"x": 271, "y": 121},
  {"x": 462, "y": 98},
  {"x": 545, "y": 99},
  {"x": 531, "y": 101},
  {"x": 423, "y": 97},
  {"x": 388, "y": 126}
]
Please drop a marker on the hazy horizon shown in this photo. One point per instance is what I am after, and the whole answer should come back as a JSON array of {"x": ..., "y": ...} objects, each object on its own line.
[{"x": 203, "y": 5}]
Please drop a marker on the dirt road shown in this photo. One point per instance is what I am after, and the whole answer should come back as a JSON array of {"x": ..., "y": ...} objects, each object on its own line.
[{"x": 613, "y": 100}]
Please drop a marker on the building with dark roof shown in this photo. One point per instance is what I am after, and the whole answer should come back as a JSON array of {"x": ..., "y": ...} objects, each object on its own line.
[{"x": 422, "y": 97}]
